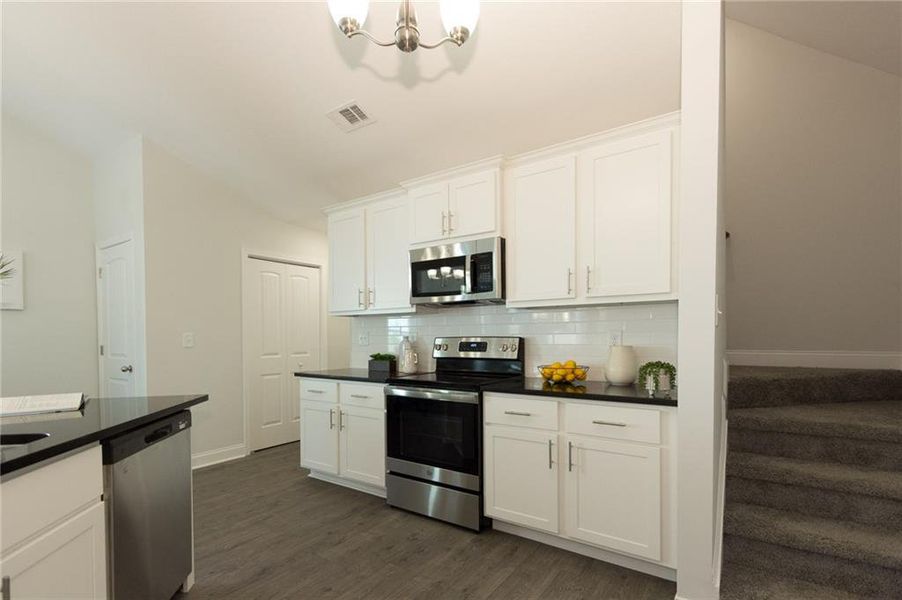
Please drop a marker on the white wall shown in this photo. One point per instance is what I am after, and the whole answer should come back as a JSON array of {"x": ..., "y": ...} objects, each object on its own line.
[
  {"x": 552, "y": 334},
  {"x": 195, "y": 229},
  {"x": 118, "y": 215},
  {"x": 813, "y": 202},
  {"x": 51, "y": 346}
]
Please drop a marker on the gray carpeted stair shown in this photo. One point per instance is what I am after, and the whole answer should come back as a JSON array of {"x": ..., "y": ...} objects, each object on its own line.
[{"x": 814, "y": 484}]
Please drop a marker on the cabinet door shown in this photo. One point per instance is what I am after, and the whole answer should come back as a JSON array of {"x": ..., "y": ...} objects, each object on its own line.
[
  {"x": 428, "y": 213},
  {"x": 625, "y": 191},
  {"x": 363, "y": 444},
  {"x": 521, "y": 477},
  {"x": 388, "y": 261},
  {"x": 542, "y": 251},
  {"x": 473, "y": 204},
  {"x": 68, "y": 561},
  {"x": 319, "y": 436},
  {"x": 347, "y": 261},
  {"x": 613, "y": 495}
]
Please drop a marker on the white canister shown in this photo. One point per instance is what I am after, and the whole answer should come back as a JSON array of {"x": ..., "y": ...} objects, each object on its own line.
[
  {"x": 407, "y": 358},
  {"x": 622, "y": 365}
]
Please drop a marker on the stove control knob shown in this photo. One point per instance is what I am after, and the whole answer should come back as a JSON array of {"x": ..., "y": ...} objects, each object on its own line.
[
  {"x": 444, "y": 346},
  {"x": 504, "y": 347},
  {"x": 438, "y": 346},
  {"x": 513, "y": 347}
]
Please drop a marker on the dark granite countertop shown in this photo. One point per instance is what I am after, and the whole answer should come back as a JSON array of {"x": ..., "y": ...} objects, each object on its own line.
[
  {"x": 586, "y": 390},
  {"x": 99, "y": 419},
  {"x": 346, "y": 374}
]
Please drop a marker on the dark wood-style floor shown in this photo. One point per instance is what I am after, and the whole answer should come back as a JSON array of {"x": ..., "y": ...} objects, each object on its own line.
[{"x": 263, "y": 529}]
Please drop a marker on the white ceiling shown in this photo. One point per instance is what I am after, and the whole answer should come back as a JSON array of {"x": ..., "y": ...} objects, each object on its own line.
[
  {"x": 241, "y": 89},
  {"x": 860, "y": 30}
]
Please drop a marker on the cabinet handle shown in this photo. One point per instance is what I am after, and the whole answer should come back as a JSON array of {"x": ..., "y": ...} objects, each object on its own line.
[
  {"x": 569, "y": 456},
  {"x": 588, "y": 278},
  {"x": 341, "y": 422},
  {"x": 569, "y": 281},
  {"x": 372, "y": 296},
  {"x": 360, "y": 298},
  {"x": 550, "y": 461},
  {"x": 519, "y": 414},
  {"x": 444, "y": 232},
  {"x": 312, "y": 391},
  {"x": 450, "y": 226},
  {"x": 7, "y": 588},
  {"x": 361, "y": 396},
  {"x": 611, "y": 423},
  {"x": 331, "y": 418}
]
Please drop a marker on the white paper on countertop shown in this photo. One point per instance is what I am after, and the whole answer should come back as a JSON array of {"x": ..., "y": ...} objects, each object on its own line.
[{"x": 36, "y": 405}]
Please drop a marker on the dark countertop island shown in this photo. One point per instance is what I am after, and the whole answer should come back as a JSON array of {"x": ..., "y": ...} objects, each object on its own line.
[
  {"x": 98, "y": 420},
  {"x": 346, "y": 374},
  {"x": 586, "y": 390}
]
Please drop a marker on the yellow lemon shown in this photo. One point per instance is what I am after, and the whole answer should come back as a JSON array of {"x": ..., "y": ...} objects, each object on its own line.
[
  {"x": 579, "y": 372},
  {"x": 570, "y": 364},
  {"x": 570, "y": 376},
  {"x": 556, "y": 377},
  {"x": 561, "y": 372},
  {"x": 556, "y": 365},
  {"x": 547, "y": 373}
]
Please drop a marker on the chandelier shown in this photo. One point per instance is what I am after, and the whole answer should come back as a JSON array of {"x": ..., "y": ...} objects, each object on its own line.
[{"x": 458, "y": 18}]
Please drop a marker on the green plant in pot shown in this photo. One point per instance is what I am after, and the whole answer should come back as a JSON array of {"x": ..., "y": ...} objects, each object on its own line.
[
  {"x": 657, "y": 376},
  {"x": 382, "y": 363}
]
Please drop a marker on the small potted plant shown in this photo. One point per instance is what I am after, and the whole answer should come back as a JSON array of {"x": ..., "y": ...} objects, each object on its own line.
[
  {"x": 657, "y": 376},
  {"x": 383, "y": 364}
]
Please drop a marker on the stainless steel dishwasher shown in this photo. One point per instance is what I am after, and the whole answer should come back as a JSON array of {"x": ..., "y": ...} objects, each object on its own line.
[{"x": 147, "y": 490}]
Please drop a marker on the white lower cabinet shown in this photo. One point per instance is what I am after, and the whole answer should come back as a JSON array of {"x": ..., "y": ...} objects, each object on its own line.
[
  {"x": 521, "y": 473},
  {"x": 613, "y": 495},
  {"x": 594, "y": 473},
  {"x": 344, "y": 439}
]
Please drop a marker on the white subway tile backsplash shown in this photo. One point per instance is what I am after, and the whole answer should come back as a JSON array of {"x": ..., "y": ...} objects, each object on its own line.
[{"x": 581, "y": 333}]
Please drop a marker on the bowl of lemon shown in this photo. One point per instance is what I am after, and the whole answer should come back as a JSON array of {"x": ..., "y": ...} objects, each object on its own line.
[{"x": 566, "y": 372}]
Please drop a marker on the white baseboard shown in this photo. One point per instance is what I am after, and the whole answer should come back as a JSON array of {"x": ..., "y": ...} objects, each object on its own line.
[
  {"x": 360, "y": 487},
  {"x": 636, "y": 564},
  {"x": 816, "y": 358},
  {"x": 219, "y": 455}
]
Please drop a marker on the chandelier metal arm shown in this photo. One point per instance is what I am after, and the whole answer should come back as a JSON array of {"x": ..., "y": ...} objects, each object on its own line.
[
  {"x": 370, "y": 37},
  {"x": 440, "y": 42}
]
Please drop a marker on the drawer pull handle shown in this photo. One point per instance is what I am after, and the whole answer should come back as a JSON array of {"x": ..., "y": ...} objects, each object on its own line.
[
  {"x": 519, "y": 414},
  {"x": 331, "y": 418},
  {"x": 611, "y": 423},
  {"x": 316, "y": 391},
  {"x": 550, "y": 461},
  {"x": 360, "y": 396}
]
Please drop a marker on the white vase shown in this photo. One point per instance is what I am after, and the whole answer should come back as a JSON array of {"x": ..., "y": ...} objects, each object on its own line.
[{"x": 622, "y": 365}]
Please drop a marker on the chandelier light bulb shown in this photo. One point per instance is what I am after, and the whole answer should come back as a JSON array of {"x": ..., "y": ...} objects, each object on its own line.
[
  {"x": 349, "y": 15},
  {"x": 458, "y": 15}
]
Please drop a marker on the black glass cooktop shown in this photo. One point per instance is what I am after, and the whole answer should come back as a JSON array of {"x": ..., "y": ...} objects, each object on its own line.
[{"x": 452, "y": 380}]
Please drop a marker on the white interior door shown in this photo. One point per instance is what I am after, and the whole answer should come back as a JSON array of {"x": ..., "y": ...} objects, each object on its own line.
[
  {"x": 116, "y": 322},
  {"x": 282, "y": 316}
]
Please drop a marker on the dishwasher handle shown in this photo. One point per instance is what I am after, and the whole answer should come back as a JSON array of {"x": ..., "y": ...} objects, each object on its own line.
[
  {"x": 131, "y": 442},
  {"x": 158, "y": 435}
]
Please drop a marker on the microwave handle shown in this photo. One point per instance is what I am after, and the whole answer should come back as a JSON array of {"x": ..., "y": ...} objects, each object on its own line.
[{"x": 468, "y": 272}]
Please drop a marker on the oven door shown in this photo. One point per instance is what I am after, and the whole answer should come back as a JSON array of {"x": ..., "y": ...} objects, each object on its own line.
[
  {"x": 434, "y": 435},
  {"x": 459, "y": 272}
]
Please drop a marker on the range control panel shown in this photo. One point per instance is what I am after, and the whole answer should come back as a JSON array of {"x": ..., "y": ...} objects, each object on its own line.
[{"x": 477, "y": 347}]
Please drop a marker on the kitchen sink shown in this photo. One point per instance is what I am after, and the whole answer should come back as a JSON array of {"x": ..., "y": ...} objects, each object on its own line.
[{"x": 20, "y": 439}]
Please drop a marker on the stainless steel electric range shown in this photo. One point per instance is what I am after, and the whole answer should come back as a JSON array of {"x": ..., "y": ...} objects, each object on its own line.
[{"x": 434, "y": 428}]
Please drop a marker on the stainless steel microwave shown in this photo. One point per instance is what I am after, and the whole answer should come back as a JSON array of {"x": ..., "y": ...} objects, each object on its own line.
[{"x": 459, "y": 272}]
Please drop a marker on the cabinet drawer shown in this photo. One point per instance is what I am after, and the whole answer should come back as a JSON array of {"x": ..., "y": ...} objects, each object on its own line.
[
  {"x": 319, "y": 389},
  {"x": 521, "y": 412},
  {"x": 362, "y": 394},
  {"x": 39, "y": 498},
  {"x": 631, "y": 424}
]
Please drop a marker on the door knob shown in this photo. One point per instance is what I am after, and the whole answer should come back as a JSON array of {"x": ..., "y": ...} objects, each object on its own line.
[{"x": 126, "y": 369}]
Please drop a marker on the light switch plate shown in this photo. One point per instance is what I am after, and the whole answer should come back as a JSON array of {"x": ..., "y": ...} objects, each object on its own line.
[{"x": 188, "y": 339}]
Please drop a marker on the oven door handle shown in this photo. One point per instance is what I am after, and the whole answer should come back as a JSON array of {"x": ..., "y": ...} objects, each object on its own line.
[{"x": 433, "y": 394}]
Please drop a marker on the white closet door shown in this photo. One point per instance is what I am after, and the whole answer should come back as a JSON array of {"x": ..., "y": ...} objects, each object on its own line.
[
  {"x": 282, "y": 335},
  {"x": 116, "y": 296}
]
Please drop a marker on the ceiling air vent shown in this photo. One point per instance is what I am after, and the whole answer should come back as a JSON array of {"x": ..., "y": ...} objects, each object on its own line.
[{"x": 350, "y": 117}]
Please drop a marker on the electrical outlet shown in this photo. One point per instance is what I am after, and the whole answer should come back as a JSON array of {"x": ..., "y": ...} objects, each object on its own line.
[
  {"x": 188, "y": 339},
  {"x": 363, "y": 339},
  {"x": 616, "y": 338}
]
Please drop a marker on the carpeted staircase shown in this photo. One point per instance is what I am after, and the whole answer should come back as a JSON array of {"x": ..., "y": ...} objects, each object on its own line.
[{"x": 814, "y": 485}]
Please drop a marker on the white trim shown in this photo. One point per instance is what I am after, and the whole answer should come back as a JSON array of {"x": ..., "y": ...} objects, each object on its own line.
[
  {"x": 365, "y": 200},
  {"x": 721, "y": 501},
  {"x": 853, "y": 359},
  {"x": 492, "y": 162},
  {"x": 354, "y": 485},
  {"x": 115, "y": 241},
  {"x": 636, "y": 564},
  {"x": 207, "y": 458}
]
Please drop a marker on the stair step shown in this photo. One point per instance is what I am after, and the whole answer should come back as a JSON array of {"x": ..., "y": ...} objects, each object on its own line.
[
  {"x": 875, "y": 421},
  {"x": 739, "y": 582},
  {"x": 826, "y": 476},
  {"x": 862, "y": 579},
  {"x": 850, "y": 451},
  {"x": 840, "y": 539},
  {"x": 782, "y": 386}
]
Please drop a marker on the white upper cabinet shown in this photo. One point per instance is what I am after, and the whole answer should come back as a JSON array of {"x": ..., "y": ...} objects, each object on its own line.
[
  {"x": 455, "y": 207},
  {"x": 368, "y": 256},
  {"x": 625, "y": 192},
  {"x": 347, "y": 261},
  {"x": 541, "y": 212}
]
